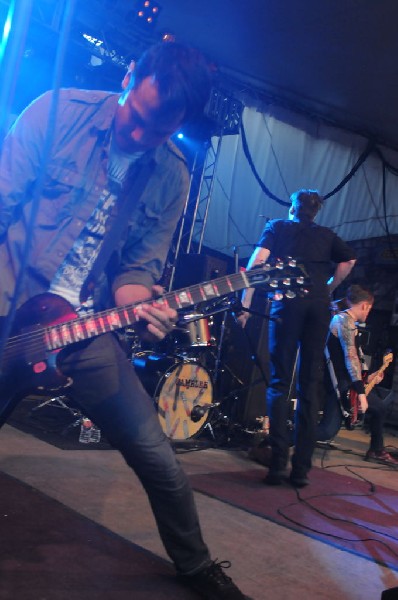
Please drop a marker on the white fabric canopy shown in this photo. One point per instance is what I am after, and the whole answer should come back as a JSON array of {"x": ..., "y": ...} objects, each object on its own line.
[{"x": 292, "y": 151}]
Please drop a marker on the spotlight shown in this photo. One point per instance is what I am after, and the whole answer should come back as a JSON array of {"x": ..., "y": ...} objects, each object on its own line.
[
  {"x": 147, "y": 13},
  {"x": 168, "y": 37}
]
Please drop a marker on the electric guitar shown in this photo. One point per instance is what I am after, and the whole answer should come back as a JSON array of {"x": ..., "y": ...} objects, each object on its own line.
[
  {"x": 47, "y": 323},
  {"x": 353, "y": 417}
]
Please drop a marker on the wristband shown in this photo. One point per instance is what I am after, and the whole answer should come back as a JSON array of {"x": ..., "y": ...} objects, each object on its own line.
[{"x": 358, "y": 386}]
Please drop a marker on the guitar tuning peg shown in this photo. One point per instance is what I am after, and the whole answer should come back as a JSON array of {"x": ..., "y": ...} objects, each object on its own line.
[
  {"x": 286, "y": 281},
  {"x": 292, "y": 262},
  {"x": 300, "y": 280},
  {"x": 290, "y": 294},
  {"x": 279, "y": 264},
  {"x": 273, "y": 283}
]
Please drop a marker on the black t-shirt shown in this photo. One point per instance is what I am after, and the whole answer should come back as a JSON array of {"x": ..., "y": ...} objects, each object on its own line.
[{"x": 313, "y": 246}]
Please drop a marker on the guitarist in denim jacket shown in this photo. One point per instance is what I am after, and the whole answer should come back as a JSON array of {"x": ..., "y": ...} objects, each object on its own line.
[
  {"x": 344, "y": 376},
  {"x": 91, "y": 190}
]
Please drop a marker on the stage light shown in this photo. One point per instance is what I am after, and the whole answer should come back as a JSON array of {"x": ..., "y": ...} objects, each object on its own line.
[
  {"x": 168, "y": 37},
  {"x": 147, "y": 13},
  {"x": 6, "y": 31},
  {"x": 180, "y": 136}
]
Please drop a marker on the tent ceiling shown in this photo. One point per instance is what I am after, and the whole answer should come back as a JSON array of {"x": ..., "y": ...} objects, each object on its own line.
[
  {"x": 335, "y": 59},
  {"x": 332, "y": 58}
]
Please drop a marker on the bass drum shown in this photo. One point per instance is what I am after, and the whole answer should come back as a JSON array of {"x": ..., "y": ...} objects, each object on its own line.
[{"x": 177, "y": 387}]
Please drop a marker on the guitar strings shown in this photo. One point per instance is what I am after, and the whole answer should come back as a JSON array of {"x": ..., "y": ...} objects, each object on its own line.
[{"x": 36, "y": 338}]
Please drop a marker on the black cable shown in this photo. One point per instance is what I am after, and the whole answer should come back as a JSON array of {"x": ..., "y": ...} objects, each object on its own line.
[
  {"x": 306, "y": 502},
  {"x": 368, "y": 150},
  {"x": 254, "y": 170}
]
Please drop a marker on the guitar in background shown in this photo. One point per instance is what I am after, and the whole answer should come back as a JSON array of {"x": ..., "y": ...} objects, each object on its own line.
[{"x": 354, "y": 409}]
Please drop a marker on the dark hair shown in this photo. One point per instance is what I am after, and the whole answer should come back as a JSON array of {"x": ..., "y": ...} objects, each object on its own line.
[
  {"x": 306, "y": 204},
  {"x": 183, "y": 76},
  {"x": 356, "y": 294}
]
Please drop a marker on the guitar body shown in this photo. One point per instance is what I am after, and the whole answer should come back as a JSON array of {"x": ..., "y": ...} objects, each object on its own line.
[
  {"x": 355, "y": 417},
  {"x": 27, "y": 365},
  {"x": 352, "y": 407}
]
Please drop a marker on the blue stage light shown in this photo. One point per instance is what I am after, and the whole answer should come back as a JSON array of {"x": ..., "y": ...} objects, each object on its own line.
[{"x": 6, "y": 31}]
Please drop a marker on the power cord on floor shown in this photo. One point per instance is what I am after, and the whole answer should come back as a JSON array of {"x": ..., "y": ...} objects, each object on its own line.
[{"x": 372, "y": 490}]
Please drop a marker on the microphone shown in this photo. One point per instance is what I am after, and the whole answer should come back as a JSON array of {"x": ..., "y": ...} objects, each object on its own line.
[{"x": 200, "y": 410}]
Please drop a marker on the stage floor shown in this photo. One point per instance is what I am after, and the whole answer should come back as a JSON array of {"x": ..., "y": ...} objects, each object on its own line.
[{"x": 269, "y": 561}]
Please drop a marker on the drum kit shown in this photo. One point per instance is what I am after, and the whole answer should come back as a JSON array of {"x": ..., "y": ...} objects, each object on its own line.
[{"x": 180, "y": 374}]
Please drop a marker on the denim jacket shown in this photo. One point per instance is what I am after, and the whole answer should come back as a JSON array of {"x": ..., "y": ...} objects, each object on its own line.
[{"x": 69, "y": 187}]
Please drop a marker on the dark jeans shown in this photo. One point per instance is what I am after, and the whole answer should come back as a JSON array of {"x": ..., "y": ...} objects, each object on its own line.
[
  {"x": 301, "y": 323},
  {"x": 331, "y": 420},
  {"x": 108, "y": 390}
]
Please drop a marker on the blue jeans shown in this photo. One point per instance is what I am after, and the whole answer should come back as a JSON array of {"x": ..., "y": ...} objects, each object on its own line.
[
  {"x": 299, "y": 323},
  {"x": 107, "y": 389}
]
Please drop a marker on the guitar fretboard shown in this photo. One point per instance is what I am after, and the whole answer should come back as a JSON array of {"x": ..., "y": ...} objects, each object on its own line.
[{"x": 59, "y": 336}]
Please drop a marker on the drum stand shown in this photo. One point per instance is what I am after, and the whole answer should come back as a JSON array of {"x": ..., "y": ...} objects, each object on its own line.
[{"x": 59, "y": 402}]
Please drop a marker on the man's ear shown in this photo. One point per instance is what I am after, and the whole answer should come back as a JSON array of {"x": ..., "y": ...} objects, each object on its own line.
[
  {"x": 127, "y": 78},
  {"x": 291, "y": 210}
]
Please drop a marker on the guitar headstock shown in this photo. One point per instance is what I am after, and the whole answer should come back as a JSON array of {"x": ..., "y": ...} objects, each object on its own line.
[
  {"x": 387, "y": 359},
  {"x": 282, "y": 278}
]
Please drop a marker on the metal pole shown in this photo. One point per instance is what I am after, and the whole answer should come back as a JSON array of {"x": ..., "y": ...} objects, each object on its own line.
[
  {"x": 195, "y": 212},
  {"x": 182, "y": 225},
  {"x": 209, "y": 195}
]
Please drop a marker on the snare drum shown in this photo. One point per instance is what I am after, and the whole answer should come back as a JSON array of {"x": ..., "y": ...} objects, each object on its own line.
[
  {"x": 193, "y": 334},
  {"x": 176, "y": 391}
]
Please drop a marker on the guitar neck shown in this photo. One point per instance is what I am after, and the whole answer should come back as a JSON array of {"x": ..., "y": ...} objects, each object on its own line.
[
  {"x": 274, "y": 278},
  {"x": 369, "y": 386},
  {"x": 82, "y": 328}
]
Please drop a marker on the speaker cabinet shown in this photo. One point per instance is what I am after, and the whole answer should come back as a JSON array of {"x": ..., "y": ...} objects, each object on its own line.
[
  {"x": 246, "y": 354},
  {"x": 195, "y": 268}
]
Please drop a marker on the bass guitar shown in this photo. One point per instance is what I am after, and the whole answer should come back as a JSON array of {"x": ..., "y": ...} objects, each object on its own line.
[
  {"x": 354, "y": 408},
  {"x": 47, "y": 323}
]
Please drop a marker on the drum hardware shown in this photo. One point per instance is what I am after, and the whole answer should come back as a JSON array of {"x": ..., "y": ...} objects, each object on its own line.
[
  {"x": 61, "y": 402},
  {"x": 57, "y": 402},
  {"x": 200, "y": 410}
]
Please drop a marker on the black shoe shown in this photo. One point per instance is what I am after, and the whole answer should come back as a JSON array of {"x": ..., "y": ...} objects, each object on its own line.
[
  {"x": 298, "y": 481},
  {"x": 212, "y": 583},
  {"x": 274, "y": 477}
]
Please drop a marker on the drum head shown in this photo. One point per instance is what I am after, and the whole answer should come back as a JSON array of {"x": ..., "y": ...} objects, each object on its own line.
[{"x": 183, "y": 387}]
